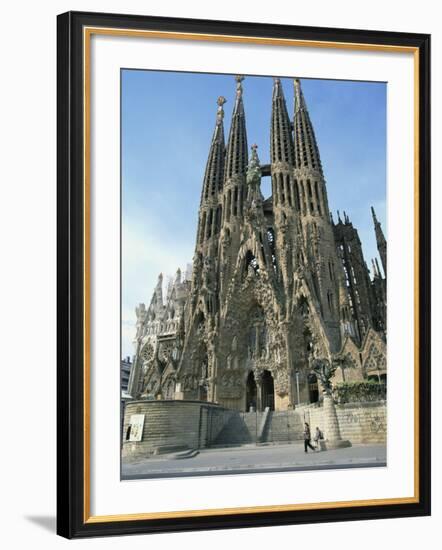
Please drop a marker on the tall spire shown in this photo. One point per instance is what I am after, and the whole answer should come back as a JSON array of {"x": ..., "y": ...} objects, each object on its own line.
[
  {"x": 214, "y": 175},
  {"x": 377, "y": 267},
  {"x": 306, "y": 148},
  {"x": 236, "y": 155},
  {"x": 281, "y": 142},
  {"x": 158, "y": 293},
  {"x": 380, "y": 241},
  {"x": 285, "y": 193},
  {"x": 210, "y": 212}
]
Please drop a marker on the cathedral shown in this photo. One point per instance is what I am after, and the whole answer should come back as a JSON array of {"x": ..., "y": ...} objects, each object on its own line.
[{"x": 275, "y": 283}]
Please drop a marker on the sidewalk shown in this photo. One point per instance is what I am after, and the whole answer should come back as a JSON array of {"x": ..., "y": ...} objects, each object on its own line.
[{"x": 253, "y": 459}]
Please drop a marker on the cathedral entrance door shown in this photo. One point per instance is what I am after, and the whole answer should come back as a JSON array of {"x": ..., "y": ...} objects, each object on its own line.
[
  {"x": 267, "y": 391},
  {"x": 202, "y": 393},
  {"x": 313, "y": 392},
  {"x": 250, "y": 392}
]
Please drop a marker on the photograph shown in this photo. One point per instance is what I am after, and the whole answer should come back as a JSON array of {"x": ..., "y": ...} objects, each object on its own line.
[
  {"x": 198, "y": 198},
  {"x": 253, "y": 274}
]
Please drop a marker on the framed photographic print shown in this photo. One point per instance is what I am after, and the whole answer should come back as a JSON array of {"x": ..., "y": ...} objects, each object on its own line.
[{"x": 230, "y": 353}]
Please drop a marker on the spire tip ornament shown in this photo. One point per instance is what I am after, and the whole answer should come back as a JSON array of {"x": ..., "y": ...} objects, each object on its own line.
[
  {"x": 220, "y": 112},
  {"x": 299, "y": 98},
  {"x": 239, "y": 78},
  {"x": 254, "y": 160},
  {"x": 277, "y": 87}
]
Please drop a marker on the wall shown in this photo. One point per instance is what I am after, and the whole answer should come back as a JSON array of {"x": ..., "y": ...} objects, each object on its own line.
[
  {"x": 186, "y": 424},
  {"x": 27, "y": 223},
  {"x": 358, "y": 422},
  {"x": 365, "y": 423},
  {"x": 194, "y": 425}
]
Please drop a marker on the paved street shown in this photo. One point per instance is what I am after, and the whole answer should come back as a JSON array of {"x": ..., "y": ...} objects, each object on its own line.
[{"x": 252, "y": 459}]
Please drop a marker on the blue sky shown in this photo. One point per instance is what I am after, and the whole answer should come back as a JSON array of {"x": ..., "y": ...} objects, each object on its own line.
[{"x": 167, "y": 123}]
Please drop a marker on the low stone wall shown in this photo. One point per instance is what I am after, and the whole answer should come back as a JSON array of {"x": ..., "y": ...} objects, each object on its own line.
[
  {"x": 358, "y": 422},
  {"x": 196, "y": 424},
  {"x": 173, "y": 424},
  {"x": 364, "y": 422}
]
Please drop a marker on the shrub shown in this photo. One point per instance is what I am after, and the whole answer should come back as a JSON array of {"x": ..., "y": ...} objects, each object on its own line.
[{"x": 368, "y": 390}]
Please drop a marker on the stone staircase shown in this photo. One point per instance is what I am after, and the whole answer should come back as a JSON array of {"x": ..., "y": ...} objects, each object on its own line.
[
  {"x": 262, "y": 427},
  {"x": 240, "y": 429},
  {"x": 283, "y": 427}
]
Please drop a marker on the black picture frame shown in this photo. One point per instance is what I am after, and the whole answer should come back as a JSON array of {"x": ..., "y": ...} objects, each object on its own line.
[{"x": 72, "y": 520}]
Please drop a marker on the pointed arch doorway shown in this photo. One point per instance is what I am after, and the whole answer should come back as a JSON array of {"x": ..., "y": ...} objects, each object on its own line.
[
  {"x": 251, "y": 392},
  {"x": 313, "y": 389},
  {"x": 267, "y": 391}
]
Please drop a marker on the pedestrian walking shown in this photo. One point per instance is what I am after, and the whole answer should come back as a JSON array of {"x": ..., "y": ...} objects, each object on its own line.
[
  {"x": 318, "y": 435},
  {"x": 307, "y": 438}
]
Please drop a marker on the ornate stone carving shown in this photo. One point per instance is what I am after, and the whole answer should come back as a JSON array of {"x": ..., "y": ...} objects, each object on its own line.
[
  {"x": 281, "y": 380},
  {"x": 231, "y": 385}
]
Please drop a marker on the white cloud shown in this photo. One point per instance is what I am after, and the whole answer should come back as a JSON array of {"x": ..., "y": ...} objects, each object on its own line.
[{"x": 146, "y": 252}]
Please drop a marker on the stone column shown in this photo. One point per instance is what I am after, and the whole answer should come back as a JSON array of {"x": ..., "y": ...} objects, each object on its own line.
[
  {"x": 289, "y": 364},
  {"x": 212, "y": 377},
  {"x": 332, "y": 433},
  {"x": 257, "y": 336},
  {"x": 258, "y": 395}
]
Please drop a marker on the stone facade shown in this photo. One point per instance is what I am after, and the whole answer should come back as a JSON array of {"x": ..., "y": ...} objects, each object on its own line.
[{"x": 275, "y": 283}]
